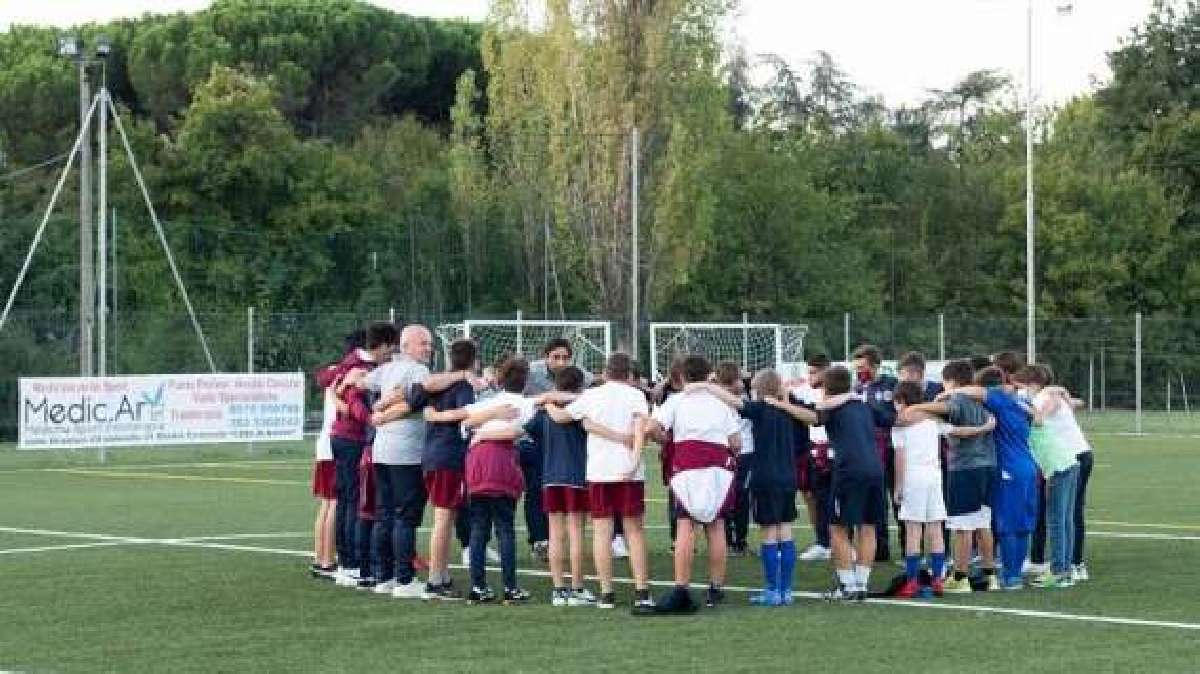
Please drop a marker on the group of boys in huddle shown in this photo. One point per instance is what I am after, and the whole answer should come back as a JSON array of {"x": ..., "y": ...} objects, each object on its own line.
[{"x": 972, "y": 457}]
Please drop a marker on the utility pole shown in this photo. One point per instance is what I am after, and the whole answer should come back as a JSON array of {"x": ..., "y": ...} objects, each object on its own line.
[{"x": 87, "y": 277}]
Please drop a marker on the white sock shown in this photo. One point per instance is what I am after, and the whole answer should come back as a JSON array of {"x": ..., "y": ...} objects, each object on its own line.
[
  {"x": 847, "y": 578},
  {"x": 863, "y": 574}
]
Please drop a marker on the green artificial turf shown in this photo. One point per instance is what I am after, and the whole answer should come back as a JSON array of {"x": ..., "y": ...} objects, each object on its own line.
[{"x": 152, "y": 606}]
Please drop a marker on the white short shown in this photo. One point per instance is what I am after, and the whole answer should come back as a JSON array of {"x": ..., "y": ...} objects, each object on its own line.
[
  {"x": 980, "y": 519},
  {"x": 922, "y": 502}
]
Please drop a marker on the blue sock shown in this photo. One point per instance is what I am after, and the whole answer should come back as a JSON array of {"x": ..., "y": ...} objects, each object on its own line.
[
  {"x": 937, "y": 563},
  {"x": 769, "y": 553},
  {"x": 787, "y": 565},
  {"x": 912, "y": 566}
]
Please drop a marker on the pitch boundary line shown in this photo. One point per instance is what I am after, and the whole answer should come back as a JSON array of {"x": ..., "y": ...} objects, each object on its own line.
[
  {"x": 999, "y": 610},
  {"x": 72, "y": 546}
]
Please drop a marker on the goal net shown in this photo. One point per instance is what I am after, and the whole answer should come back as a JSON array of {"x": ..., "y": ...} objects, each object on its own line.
[
  {"x": 591, "y": 341},
  {"x": 752, "y": 345}
]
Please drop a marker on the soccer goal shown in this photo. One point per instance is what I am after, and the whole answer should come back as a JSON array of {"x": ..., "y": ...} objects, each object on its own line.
[
  {"x": 591, "y": 341},
  {"x": 752, "y": 345}
]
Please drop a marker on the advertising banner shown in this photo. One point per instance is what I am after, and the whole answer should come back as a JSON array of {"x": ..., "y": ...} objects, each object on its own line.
[{"x": 150, "y": 410}]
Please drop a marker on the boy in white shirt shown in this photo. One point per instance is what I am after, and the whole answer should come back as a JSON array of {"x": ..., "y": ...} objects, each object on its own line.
[
  {"x": 707, "y": 436},
  {"x": 918, "y": 487},
  {"x": 615, "y": 474}
]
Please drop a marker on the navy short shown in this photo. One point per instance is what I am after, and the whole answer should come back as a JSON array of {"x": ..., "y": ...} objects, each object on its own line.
[
  {"x": 857, "y": 502},
  {"x": 773, "y": 505},
  {"x": 968, "y": 490}
]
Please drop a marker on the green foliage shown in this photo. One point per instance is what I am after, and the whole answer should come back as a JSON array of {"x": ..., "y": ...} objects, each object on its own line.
[{"x": 329, "y": 154}]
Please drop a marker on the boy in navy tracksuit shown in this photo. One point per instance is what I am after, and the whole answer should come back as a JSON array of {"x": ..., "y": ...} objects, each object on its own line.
[
  {"x": 857, "y": 484},
  {"x": 876, "y": 390}
]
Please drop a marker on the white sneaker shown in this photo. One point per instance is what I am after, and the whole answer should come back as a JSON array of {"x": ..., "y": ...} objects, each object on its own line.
[
  {"x": 619, "y": 549},
  {"x": 414, "y": 589},
  {"x": 385, "y": 587},
  {"x": 1031, "y": 569},
  {"x": 582, "y": 597},
  {"x": 815, "y": 553},
  {"x": 347, "y": 577},
  {"x": 1079, "y": 573}
]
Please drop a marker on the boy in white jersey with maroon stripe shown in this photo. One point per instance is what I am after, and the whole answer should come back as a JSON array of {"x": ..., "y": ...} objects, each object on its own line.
[{"x": 707, "y": 435}]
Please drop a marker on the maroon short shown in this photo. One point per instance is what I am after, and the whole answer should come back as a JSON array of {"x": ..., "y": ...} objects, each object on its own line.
[
  {"x": 324, "y": 478},
  {"x": 803, "y": 467},
  {"x": 564, "y": 499},
  {"x": 445, "y": 488},
  {"x": 617, "y": 499}
]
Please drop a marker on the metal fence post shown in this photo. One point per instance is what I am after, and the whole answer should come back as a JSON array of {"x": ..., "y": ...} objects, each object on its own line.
[
  {"x": 1137, "y": 367},
  {"x": 942, "y": 337},
  {"x": 846, "y": 335},
  {"x": 250, "y": 356}
]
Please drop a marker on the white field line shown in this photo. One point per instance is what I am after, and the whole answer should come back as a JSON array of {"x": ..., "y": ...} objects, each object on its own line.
[
  {"x": 1147, "y": 525},
  {"x": 1027, "y": 613},
  {"x": 88, "y": 472},
  {"x": 74, "y": 546}
]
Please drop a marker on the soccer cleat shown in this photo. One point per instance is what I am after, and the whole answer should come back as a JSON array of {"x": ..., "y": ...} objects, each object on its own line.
[
  {"x": 1079, "y": 573},
  {"x": 481, "y": 595},
  {"x": 815, "y": 553},
  {"x": 323, "y": 572},
  {"x": 837, "y": 594},
  {"x": 410, "y": 590},
  {"x": 443, "y": 592},
  {"x": 1066, "y": 580},
  {"x": 607, "y": 600},
  {"x": 581, "y": 597},
  {"x": 643, "y": 607},
  {"x": 910, "y": 589},
  {"x": 346, "y": 577},
  {"x": 957, "y": 586},
  {"x": 937, "y": 586},
  {"x": 515, "y": 595},
  {"x": 993, "y": 582},
  {"x": 366, "y": 583},
  {"x": 677, "y": 602},
  {"x": 766, "y": 598},
  {"x": 619, "y": 549},
  {"x": 787, "y": 597},
  {"x": 713, "y": 596},
  {"x": 386, "y": 587},
  {"x": 560, "y": 597}
]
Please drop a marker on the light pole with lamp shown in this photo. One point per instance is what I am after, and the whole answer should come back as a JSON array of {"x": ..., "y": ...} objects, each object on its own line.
[
  {"x": 73, "y": 47},
  {"x": 1063, "y": 9}
]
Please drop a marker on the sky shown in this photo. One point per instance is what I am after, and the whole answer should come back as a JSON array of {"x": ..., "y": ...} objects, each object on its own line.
[{"x": 899, "y": 49}]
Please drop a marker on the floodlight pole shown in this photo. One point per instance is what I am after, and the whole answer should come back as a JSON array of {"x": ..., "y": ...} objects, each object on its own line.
[
  {"x": 633, "y": 217},
  {"x": 87, "y": 278},
  {"x": 102, "y": 241},
  {"x": 1030, "y": 290}
]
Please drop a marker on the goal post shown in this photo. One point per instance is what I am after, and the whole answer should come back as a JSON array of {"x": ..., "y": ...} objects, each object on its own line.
[
  {"x": 752, "y": 345},
  {"x": 591, "y": 341}
]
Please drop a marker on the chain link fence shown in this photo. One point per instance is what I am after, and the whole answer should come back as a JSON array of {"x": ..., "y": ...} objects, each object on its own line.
[{"x": 1133, "y": 374}]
